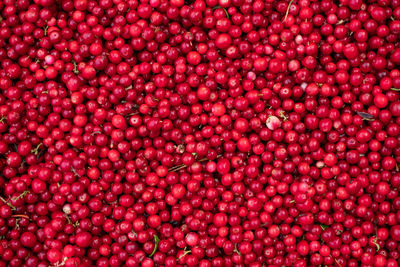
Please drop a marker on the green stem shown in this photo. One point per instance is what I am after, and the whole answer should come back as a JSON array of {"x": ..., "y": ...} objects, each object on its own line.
[
  {"x": 36, "y": 149},
  {"x": 156, "y": 241},
  {"x": 184, "y": 254},
  {"x": 226, "y": 11},
  {"x": 236, "y": 250},
  {"x": 23, "y": 194},
  {"x": 377, "y": 245},
  {"x": 7, "y": 203}
]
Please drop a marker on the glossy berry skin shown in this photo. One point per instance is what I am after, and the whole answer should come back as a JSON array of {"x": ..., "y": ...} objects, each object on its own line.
[{"x": 199, "y": 133}]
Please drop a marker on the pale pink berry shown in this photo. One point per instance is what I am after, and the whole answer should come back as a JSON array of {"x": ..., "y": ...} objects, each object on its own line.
[{"x": 273, "y": 123}]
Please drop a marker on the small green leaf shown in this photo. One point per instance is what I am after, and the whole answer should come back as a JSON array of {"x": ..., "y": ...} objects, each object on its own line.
[
  {"x": 76, "y": 71},
  {"x": 323, "y": 226},
  {"x": 156, "y": 241}
]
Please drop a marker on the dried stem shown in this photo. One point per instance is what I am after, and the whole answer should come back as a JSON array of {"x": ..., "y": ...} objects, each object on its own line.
[{"x": 287, "y": 10}]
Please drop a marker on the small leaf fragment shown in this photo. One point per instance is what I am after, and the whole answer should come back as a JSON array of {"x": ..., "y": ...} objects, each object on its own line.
[
  {"x": 323, "y": 226},
  {"x": 365, "y": 115}
]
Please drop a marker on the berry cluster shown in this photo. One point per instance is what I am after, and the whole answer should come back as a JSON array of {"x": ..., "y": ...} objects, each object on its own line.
[{"x": 208, "y": 133}]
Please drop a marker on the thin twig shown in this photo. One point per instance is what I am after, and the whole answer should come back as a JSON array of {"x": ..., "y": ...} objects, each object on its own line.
[
  {"x": 7, "y": 203},
  {"x": 20, "y": 216},
  {"x": 287, "y": 10},
  {"x": 182, "y": 166}
]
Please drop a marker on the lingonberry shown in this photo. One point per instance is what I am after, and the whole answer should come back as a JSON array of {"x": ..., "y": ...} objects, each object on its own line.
[{"x": 199, "y": 133}]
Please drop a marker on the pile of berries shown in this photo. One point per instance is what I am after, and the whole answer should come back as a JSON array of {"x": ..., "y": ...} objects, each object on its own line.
[{"x": 210, "y": 133}]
